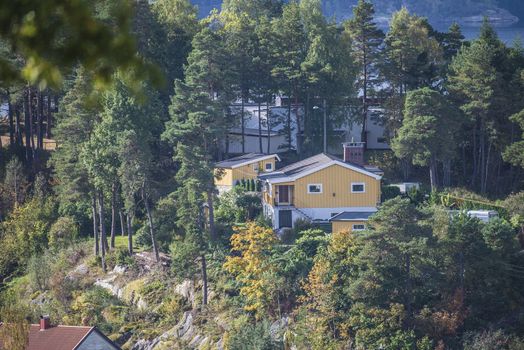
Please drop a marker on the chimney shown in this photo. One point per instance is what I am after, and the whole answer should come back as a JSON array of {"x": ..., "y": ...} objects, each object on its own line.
[
  {"x": 354, "y": 152},
  {"x": 45, "y": 322}
]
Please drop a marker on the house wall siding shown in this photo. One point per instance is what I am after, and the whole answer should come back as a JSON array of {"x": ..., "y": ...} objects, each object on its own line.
[
  {"x": 248, "y": 171},
  {"x": 96, "y": 342},
  {"x": 336, "y": 189},
  {"x": 345, "y": 226},
  {"x": 225, "y": 179}
]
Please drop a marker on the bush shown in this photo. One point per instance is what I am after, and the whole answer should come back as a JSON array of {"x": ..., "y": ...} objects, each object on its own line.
[
  {"x": 40, "y": 272},
  {"x": 247, "y": 335},
  {"x": 119, "y": 256},
  {"x": 63, "y": 232},
  {"x": 390, "y": 192},
  {"x": 301, "y": 225}
]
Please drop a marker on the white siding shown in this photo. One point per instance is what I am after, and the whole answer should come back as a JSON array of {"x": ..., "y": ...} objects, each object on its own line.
[{"x": 96, "y": 342}]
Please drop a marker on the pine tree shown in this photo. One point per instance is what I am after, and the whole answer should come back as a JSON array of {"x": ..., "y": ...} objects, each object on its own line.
[
  {"x": 196, "y": 130},
  {"x": 366, "y": 40},
  {"x": 411, "y": 60},
  {"x": 291, "y": 38},
  {"x": 428, "y": 131}
]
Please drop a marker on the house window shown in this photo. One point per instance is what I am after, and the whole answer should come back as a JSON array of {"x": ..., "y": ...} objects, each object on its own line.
[
  {"x": 358, "y": 187},
  {"x": 255, "y": 167},
  {"x": 314, "y": 188},
  {"x": 269, "y": 167},
  {"x": 359, "y": 227}
]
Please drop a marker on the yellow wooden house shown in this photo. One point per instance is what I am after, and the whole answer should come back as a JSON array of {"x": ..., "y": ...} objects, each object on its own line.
[
  {"x": 249, "y": 166},
  {"x": 322, "y": 189}
]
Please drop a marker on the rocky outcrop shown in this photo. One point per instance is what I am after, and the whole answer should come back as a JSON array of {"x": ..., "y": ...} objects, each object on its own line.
[{"x": 183, "y": 336}]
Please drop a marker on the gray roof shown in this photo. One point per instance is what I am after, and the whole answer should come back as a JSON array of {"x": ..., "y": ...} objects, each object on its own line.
[
  {"x": 352, "y": 216},
  {"x": 311, "y": 163},
  {"x": 301, "y": 166},
  {"x": 232, "y": 162},
  {"x": 252, "y": 132}
]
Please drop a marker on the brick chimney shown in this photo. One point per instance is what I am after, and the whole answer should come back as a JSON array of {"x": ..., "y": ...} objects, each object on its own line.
[
  {"x": 354, "y": 152},
  {"x": 45, "y": 322}
]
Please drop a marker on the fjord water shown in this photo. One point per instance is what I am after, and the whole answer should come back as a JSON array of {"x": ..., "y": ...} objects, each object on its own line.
[{"x": 508, "y": 35}]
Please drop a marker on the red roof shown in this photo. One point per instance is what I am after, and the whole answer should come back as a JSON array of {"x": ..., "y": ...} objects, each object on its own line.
[{"x": 59, "y": 337}]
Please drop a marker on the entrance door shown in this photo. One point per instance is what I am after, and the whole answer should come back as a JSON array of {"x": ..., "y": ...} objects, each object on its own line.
[
  {"x": 283, "y": 194},
  {"x": 285, "y": 218}
]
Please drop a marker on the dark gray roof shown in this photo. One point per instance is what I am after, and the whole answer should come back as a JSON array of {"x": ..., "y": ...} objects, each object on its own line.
[
  {"x": 229, "y": 163},
  {"x": 302, "y": 166},
  {"x": 311, "y": 163},
  {"x": 352, "y": 216}
]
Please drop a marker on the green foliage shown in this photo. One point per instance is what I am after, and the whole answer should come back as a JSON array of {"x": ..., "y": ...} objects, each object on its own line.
[
  {"x": 63, "y": 232},
  {"x": 237, "y": 206},
  {"x": 246, "y": 334},
  {"x": 389, "y": 192},
  {"x": 25, "y": 233},
  {"x": 54, "y": 36}
]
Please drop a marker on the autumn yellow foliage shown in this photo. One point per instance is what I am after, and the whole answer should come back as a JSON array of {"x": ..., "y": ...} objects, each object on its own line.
[{"x": 249, "y": 263}]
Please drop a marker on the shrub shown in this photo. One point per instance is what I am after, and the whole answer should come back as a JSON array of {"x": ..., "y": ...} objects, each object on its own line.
[
  {"x": 63, "y": 232},
  {"x": 247, "y": 335},
  {"x": 390, "y": 192},
  {"x": 40, "y": 271}
]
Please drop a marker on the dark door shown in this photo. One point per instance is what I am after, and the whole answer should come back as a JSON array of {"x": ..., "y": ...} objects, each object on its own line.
[
  {"x": 283, "y": 194},
  {"x": 285, "y": 218}
]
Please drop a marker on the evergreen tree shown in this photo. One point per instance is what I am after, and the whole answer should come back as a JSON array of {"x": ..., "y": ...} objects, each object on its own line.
[
  {"x": 366, "y": 40},
  {"x": 428, "y": 131},
  {"x": 411, "y": 60},
  {"x": 291, "y": 51},
  {"x": 196, "y": 130}
]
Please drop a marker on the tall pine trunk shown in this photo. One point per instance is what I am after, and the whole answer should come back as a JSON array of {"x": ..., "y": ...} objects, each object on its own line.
[
  {"x": 243, "y": 127},
  {"x": 18, "y": 127},
  {"x": 95, "y": 225},
  {"x": 130, "y": 233},
  {"x": 27, "y": 125},
  {"x": 122, "y": 223},
  {"x": 150, "y": 221},
  {"x": 113, "y": 216},
  {"x": 433, "y": 174},
  {"x": 11, "y": 120},
  {"x": 261, "y": 148},
  {"x": 40, "y": 120},
  {"x": 211, "y": 213},
  {"x": 268, "y": 120},
  {"x": 49, "y": 116},
  {"x": 299, "y": 127},
  {"x": 103, "y": 239},
  {"x": 289, "y": 131},
  {"x": 364, "y": 136},
  {"x": 446, "y": 181}
]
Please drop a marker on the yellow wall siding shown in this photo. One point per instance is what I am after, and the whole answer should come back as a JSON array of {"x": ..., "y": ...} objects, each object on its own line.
[
  {"x": 345, "y": 226},
  {"x": 226, "y": 178},
  {"x": 246, "y": 172},
  {"x": 336, "y": 189}
]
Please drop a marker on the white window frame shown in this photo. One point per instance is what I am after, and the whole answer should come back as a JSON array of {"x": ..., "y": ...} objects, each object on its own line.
[
  {"x": 358, "y": 229},
  {"x": 358, "y": 183},
  {"x": 270, "y": 167},
  {"x": 308, "y": 188}
]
